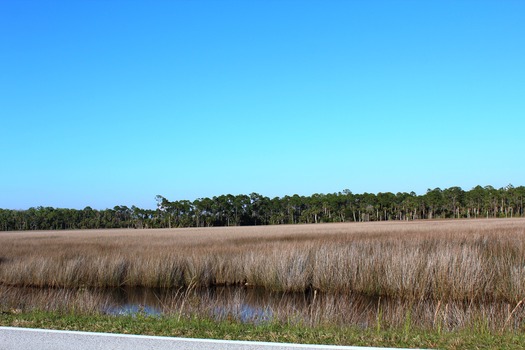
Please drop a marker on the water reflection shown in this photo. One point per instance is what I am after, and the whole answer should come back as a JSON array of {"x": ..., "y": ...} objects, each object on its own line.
[
  {"x": 257, "y": 305},
  {"x": 244, "y": 304},
  {"x": 132, "y": 301}
]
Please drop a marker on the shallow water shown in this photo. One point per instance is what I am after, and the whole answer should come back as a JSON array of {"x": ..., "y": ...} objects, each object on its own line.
[
  {"x": 255, "y": 305},
  {"x": 240, "y": 303},
  {"x": 244, "y": 304}
]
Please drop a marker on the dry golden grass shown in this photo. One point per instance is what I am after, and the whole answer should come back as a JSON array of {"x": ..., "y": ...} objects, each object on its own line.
[{"x": 455, "y": 260}]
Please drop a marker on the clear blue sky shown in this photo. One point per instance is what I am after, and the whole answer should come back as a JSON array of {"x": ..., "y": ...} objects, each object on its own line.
[{"x": 106, "y": 103}]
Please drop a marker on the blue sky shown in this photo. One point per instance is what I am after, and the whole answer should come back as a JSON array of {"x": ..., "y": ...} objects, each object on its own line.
[{"x": 106, "y": 103}]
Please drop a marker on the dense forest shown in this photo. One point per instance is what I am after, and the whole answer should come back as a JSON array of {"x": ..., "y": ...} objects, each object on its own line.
[{"x": 255, "y": 209}]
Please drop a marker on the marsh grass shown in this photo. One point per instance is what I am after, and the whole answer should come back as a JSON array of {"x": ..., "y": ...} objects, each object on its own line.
[{"x": 464, "y": 260}]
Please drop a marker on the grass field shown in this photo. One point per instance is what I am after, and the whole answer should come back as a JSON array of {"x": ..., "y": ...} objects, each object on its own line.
[{"x": 437, "y": 275}]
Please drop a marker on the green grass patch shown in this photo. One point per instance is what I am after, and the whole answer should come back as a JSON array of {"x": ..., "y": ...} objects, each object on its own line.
[{"x": 406, "y": 336}]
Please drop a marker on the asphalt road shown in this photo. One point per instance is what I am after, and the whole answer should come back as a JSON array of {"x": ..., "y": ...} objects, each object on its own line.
[{"x": 12, "y": 338}]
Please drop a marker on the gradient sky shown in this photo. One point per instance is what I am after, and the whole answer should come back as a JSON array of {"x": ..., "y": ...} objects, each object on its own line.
[{"x": 106, "y": 103}]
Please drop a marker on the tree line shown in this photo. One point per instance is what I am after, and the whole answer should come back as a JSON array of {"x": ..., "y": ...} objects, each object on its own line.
[{"x": 256, "y": 209}]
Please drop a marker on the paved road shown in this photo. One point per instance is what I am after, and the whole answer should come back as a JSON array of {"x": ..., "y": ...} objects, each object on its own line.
[{"x": 12, "y": 338}]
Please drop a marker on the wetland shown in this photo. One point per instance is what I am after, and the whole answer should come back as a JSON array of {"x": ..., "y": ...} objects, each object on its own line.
[{"x": 436, "y": 275}]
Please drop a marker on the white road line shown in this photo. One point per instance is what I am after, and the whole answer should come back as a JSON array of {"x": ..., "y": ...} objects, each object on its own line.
[{"x": 12, "y": 338}]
